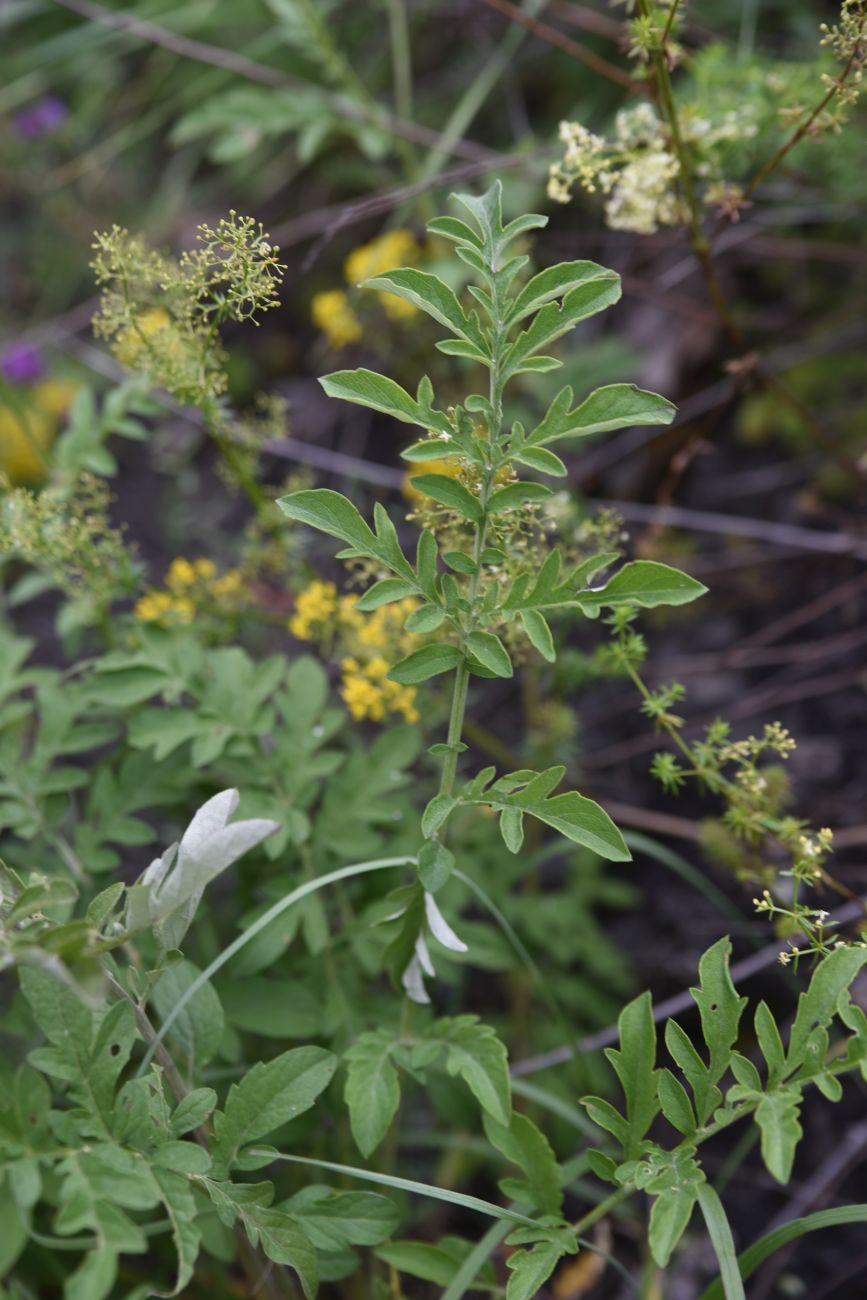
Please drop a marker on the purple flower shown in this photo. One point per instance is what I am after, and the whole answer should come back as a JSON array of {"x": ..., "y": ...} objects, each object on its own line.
[
  {"x": 45, "y": 115},
  {"x": 20, "y": 363}
]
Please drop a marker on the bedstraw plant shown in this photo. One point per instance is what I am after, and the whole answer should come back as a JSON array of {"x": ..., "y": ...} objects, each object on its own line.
[{"x": 114, "y": 1133}]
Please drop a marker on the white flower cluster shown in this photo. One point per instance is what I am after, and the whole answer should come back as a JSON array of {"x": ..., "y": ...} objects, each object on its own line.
[
  {"x": 636, "y": 171},
  {"x": 642, "y": 199},
  {"x": 581, "y": 162}
]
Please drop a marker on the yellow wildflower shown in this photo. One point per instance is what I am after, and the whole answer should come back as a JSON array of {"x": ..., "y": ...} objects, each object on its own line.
[
  {"x": 162, "y": 606},
  {"x": 314, "y": 607},
  {"x": 384, "y": 253},
  {"x": 394, "y": 248},
  {"x": 26, "y": 435},
  {"x": 350, "y": 618},
  {"x": 53, "y": 397},
  {"x": 368, "y": 694},
  {"x": 450, "y": 466},
  {"x": 229, "y": 586},
  {"x": 181, "y": 574},
  {"x": 132, "y": 340},
  {"x": 332, "y": 314}
]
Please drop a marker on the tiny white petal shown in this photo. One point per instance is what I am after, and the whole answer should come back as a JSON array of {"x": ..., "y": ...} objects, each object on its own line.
[
  {"x": 440, "y": 928},
  {"x": 412, "y": 981},
  {"x": 421, "y": 951}
]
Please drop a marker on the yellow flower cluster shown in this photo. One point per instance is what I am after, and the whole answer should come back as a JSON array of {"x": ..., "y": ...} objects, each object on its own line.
[
  {"x": 450, "y": 466},
  {"x": 368, "y": 644},
  {"x": 315, "y": 606},
  {"x": 394, "y": 248},
  {"x": 333, "y": 315},
  {"x": 191, "y": 585},
  {"x": 368, "y": 693},
  {"x": 26, "y": 434},
  {"x": 131, "y": 341},
  {"x": 332, "y": 311}
]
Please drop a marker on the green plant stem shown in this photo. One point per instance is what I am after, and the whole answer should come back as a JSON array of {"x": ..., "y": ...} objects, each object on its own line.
[
  {"x": 805, "y": 127},
  {"x": 401, "y": 57},
  {"x": 309, "y": 887},
  {"x": 599, "y": 1211},
  {"x": 269, "y": 1280},
  {"x": 698, "y": 239},
  {"x": 462, "y": 672}
]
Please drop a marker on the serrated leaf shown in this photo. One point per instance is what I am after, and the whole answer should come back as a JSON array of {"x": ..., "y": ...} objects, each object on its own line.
[
  {"x": 279, "y": 1235},
  {"x": 521, "y": 1142},
  {"x": 335, "y": 1220},
  {"x": 372, "y": 1091},
  {"x": 633, "y": 1064},
  {"x": 284, "y": 1241},
  {"x": 777, "y": 1117},
  {"x": 817, "y": 1004},
  {"x": 269, "y": 1095},
  {"x": 646, "y": 583},
  {"x": 490, "y": 651},
  {"x": 669, "y": 1219},
  {"x": 477, "y": 1055},
  {"x": 428, "y": 661},
  {"x": 719, "y": 1006},
  {"x": 530, "y": 1269},
  {"x": 193, "y": 1110},
  {"x": 177, "y": 1197}
]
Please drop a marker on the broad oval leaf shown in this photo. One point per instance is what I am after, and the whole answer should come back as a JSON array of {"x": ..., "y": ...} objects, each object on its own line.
[
  {"x": 368, "y": 388},
  {"x": 331, "y": 513},
  {"x": 429, "y": 294},
  {"x": 646, "y": 583},
  {"x": 384, "y": 592},
  {"x": 429, "y": 661},
  {"x": 554, "y": 282},
  {"x": 490, "y": 651},
  {"x": 516, "y": 494},
  {"x": 449, "y": 492}
]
